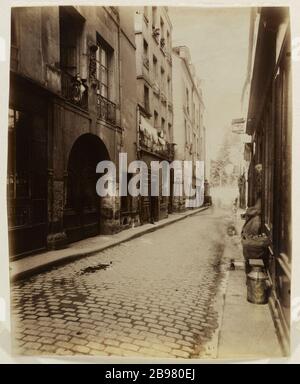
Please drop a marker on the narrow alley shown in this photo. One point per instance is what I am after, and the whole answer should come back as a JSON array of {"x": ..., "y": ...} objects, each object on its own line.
[
  {"x": 148, "y": 183},
  {"x": 157, "y": 296},
  {"x": 153, "y": 296}
]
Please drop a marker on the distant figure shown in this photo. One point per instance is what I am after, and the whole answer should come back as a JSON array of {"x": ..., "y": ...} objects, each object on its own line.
[
  {"x": 207, "y": 197},
  {"x": 242, "y": 190}
]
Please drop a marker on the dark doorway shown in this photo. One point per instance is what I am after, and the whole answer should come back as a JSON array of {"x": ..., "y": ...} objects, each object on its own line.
[
  {"x": 149, "y": 205},
  {"x": 26, "y": 183},
  {"x": 82, "y": 212}
]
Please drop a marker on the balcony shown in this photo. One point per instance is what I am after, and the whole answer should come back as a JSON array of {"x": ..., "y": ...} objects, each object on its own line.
[
  {"x": 153, "y": 141},
  {"x": 106, "y": 109},
  {"x": 74, "y": 89}
]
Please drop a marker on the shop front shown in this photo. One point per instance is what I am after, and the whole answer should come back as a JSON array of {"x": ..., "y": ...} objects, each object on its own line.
[
  {"x": 154, "y": 147},
  {"x": 27, "y": 169}
]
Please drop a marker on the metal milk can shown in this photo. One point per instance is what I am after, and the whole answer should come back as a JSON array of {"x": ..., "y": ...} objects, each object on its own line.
[{"x": 257, "y": 286}]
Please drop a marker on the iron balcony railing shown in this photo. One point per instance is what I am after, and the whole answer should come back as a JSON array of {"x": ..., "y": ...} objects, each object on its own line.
[
  {"x": 106, "y": 109},
  {"x": 74, "y": 89}
]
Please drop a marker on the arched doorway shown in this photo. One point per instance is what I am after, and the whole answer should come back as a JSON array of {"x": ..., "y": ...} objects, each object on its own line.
[{"x": 82, "y": 211}]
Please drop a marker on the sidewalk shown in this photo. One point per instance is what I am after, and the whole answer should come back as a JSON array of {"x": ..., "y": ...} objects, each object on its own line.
[
  {"x": 247, "y": 330},
  {"x": 42, "y": 262}
]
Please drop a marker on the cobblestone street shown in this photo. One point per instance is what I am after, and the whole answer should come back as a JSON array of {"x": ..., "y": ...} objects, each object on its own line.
[{"x": 150, "y": 297}]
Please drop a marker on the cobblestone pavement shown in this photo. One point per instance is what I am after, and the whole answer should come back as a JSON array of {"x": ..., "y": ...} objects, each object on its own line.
[{"x": 150, "y": 297}]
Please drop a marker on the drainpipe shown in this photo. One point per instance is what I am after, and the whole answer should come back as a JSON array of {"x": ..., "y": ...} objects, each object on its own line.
[{"x": 120, "y": 89}]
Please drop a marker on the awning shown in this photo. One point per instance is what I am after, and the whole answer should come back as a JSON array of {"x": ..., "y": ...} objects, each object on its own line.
[{"x": 148, "y": 130}]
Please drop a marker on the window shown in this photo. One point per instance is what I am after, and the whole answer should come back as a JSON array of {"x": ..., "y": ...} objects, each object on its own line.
[
  {"x": 74, "y": 88},
  {"x": 162, "y": 31},
  {"x": 169, "y": 42},
  {"x": 146, "y": 98},
  {"x": 169, "y": 89},
  {"x": 104, "y": 56},
  {"x": 162, "y": 77},
  {"x": 154, "y": 17},
  {"x": 155, "y": 67},
  {"x": 163, "y": 125},
  {"x": 71, "y": 26},
  {"x": 170, "y": 133},
  {"x": 155, "y": 119},
  {"x": 102, "y": 71},
  {"x": 187, "y": 101},
  {"x": 146, "y": 15},
  {"x": 145, "y": 54}
]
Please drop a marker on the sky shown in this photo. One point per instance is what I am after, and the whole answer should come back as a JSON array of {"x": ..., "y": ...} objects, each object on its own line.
[{"x": 218, "y": 42}]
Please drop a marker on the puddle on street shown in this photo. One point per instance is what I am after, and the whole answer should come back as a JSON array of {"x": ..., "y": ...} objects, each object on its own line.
[{"x": 94, "y": 268}]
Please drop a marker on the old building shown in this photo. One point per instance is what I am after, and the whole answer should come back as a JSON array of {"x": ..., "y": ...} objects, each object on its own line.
[
  {"x": 188, "y": 131},
  {"x": 71, "y": 105},
  {"x": 153, "y": 37},
  {"x": 269, "y": 123}
]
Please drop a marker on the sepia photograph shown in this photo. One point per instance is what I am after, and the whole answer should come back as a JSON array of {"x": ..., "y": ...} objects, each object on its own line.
[{"x": 149, "y": 182}]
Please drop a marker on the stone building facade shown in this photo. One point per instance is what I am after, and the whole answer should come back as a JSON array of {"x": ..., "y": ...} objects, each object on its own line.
[
  {"x": 269, "y": 123},
  {"x": 189, "y": 130},
  {"x": 153, "y": 37},
  {"x": 72, "y": 104}
]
